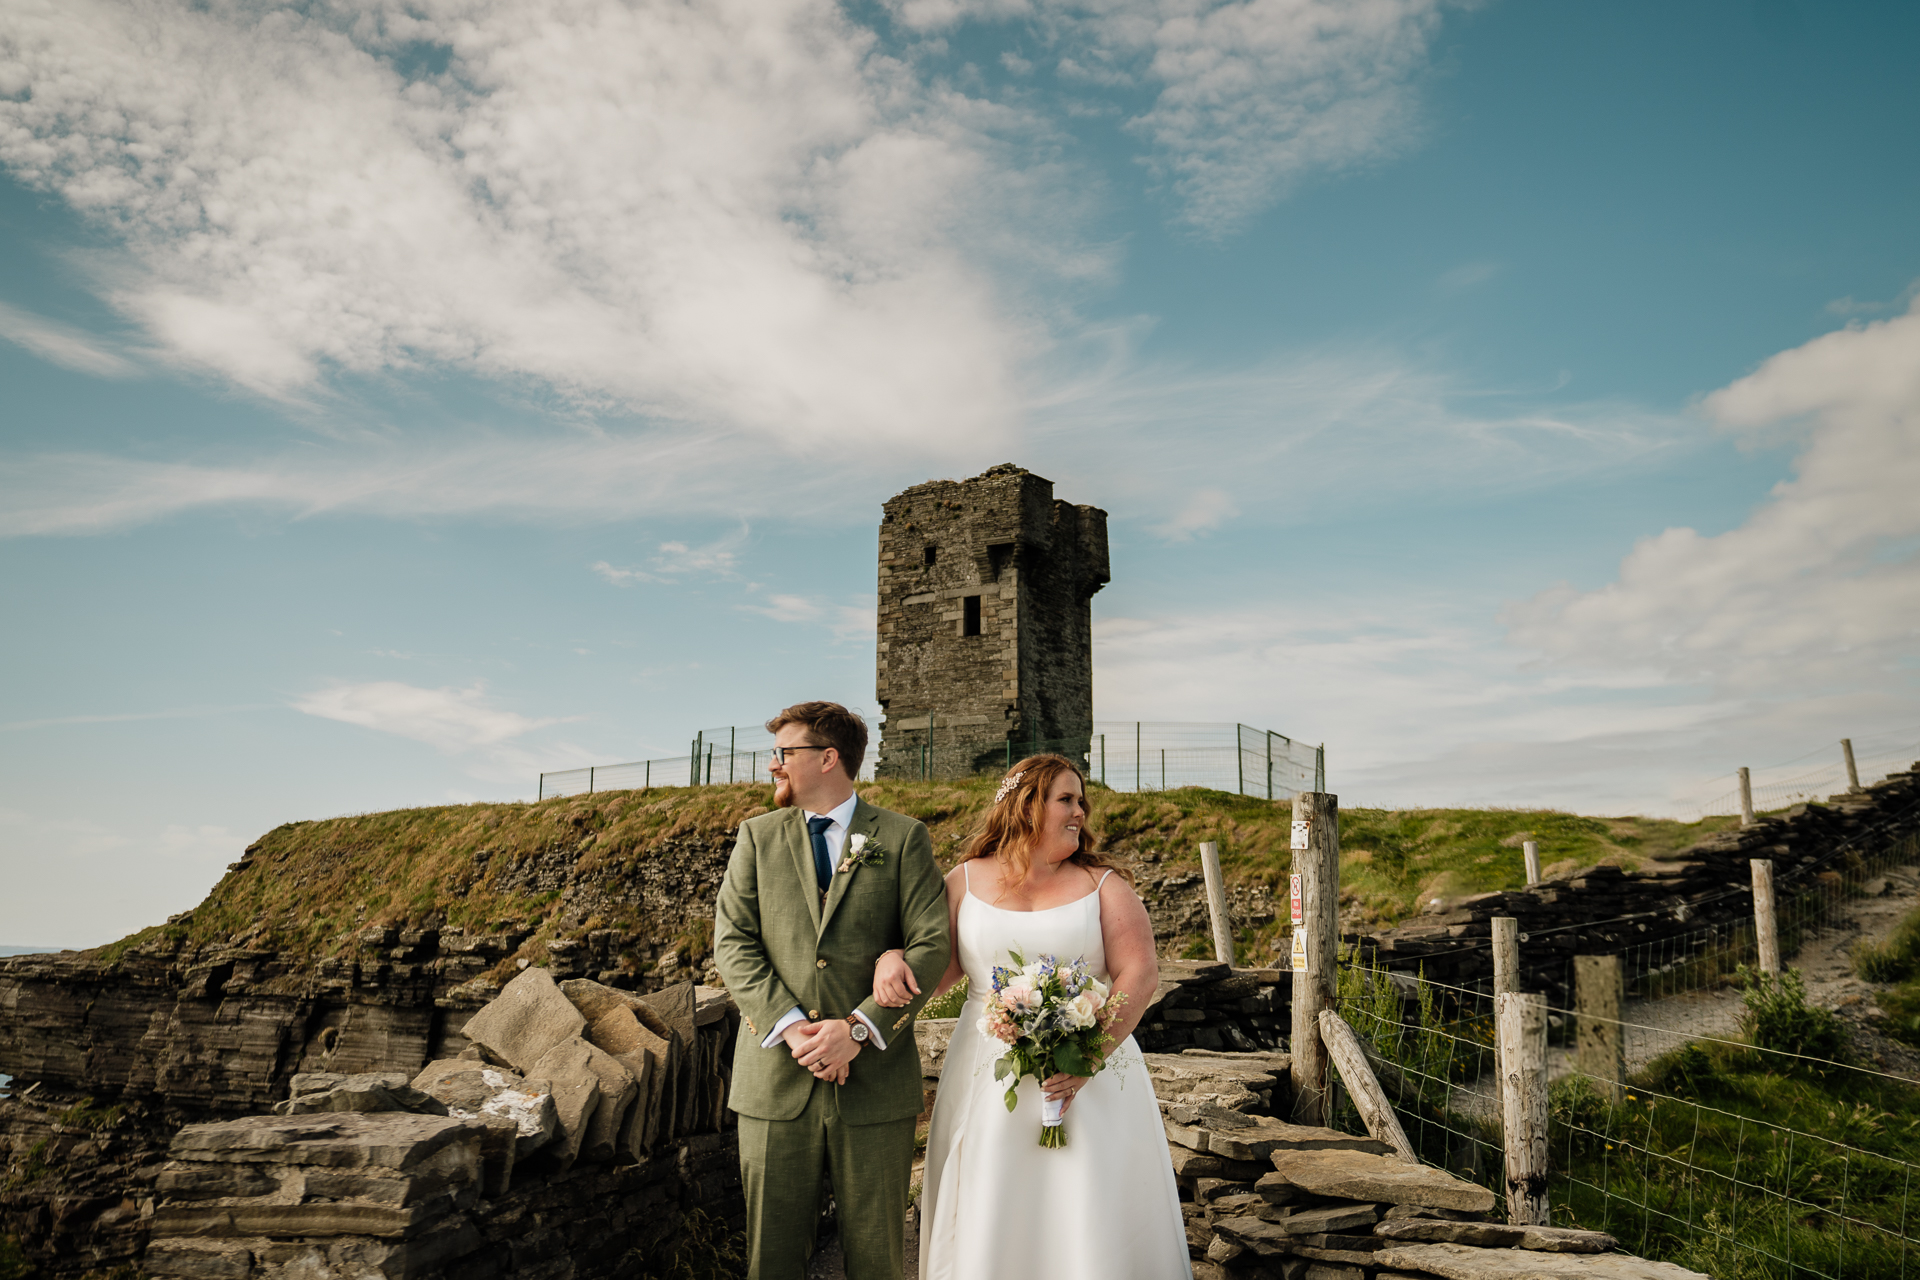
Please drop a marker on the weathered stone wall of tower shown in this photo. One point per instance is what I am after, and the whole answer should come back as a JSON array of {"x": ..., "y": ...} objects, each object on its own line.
[{"x": 985, "y": 621}]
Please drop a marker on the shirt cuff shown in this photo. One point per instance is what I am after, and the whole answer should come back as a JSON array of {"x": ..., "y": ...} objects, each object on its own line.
[
  {"x": 780, "y": 1028},
  {"x": 872, "y": 1030}
]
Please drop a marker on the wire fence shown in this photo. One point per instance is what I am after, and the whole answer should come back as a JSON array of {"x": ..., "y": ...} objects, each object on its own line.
[
  {"x": 1802, "y": 781},
  {"x": 1719, "y": 1154},
  {"x": 1125, "y": 755}
]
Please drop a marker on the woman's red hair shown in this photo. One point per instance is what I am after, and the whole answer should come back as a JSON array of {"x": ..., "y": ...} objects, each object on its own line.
[{"x": 1011, "y": 826}]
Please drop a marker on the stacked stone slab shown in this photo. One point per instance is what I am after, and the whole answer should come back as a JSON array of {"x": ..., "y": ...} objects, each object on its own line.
[
  {"x": 985, "y": 622},
  {"x": 1605, "y": 910},
  {"x": 1208, "y": 1005},
  {"x": 377, "y": 1175}
]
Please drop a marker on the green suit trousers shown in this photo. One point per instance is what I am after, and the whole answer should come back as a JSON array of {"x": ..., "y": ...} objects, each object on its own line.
[{"x": 781, "y": 1162}]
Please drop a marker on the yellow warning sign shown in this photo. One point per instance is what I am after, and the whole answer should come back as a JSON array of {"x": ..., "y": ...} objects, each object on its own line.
[{"x": 1300, "y": 948}]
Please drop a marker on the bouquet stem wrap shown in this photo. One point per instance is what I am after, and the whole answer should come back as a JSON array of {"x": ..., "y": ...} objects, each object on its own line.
[{"x": 1052, "y": 1017}]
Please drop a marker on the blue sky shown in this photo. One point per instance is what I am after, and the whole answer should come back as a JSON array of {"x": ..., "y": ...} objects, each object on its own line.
[{"x": 400, "y": 399}]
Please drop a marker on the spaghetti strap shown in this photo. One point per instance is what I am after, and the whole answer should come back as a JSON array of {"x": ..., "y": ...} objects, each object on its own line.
[
  {"x": 966, "y": 877},
  {"x": 1103, "y": 880}
]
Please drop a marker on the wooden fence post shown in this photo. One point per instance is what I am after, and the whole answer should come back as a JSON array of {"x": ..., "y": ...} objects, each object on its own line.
[
  {"x": 1368, "y": 1098},
  {"x": 1506, "y": 955},
  {"x": 1746, "y": 798},
  {"x": 1531, "y": 849},
  {"x": 1766, "y": 929},
  {"x": 1217, "y": 902},
  {"x": 1316, "y": 859},
  {"x": 1521, "y": 1028},
  {"x": 1599, "y": 1041},
  {"x": 1853, "y": 774}
]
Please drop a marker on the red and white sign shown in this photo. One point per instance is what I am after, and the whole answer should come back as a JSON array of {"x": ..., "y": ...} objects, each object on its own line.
[{"x": 1299, "y": 917}]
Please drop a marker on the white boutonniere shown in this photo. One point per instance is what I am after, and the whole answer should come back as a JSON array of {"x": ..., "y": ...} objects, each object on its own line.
[{"x": 861, "y": 852}]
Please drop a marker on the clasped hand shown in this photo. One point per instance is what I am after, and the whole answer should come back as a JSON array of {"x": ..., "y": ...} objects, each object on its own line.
[{"x": 827, "y": 1049}]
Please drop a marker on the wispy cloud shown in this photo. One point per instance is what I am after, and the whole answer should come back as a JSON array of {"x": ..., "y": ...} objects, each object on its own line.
[
  {"x": 1820, "y": 588},
  {"x": 450, "y": 720},
  {"x": 62, "y": 344},
  {"x": 672, "y": 561},
  {"x": 123, "y": 717},
  {"x": 1204, "y": 512},
  {"x": 847, "y": 622}
]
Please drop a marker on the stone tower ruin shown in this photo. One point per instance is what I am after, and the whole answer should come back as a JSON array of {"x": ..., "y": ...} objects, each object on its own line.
[{"x": 986, "y": 623}]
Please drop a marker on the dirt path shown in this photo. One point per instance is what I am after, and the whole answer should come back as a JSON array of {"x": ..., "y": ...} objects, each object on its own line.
[{"x": 1826, "y": 962}]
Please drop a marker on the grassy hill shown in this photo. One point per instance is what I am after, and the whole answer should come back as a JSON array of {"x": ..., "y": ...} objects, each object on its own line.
[{"x": 620, "y": 860}]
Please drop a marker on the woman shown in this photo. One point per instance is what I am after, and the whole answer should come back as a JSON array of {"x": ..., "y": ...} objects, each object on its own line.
[{"x": 995, "y": 1203}]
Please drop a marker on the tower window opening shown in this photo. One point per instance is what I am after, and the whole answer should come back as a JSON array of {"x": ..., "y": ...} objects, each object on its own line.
[
  {"x": 970, "y": 616},
  {"x": 933, "y": 554}
]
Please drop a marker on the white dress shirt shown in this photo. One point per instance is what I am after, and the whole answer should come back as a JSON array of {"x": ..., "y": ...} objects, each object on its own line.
[{"x": 841, "y": 815}]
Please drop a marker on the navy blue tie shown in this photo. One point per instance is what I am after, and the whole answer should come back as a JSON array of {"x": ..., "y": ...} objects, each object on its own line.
[{"x": 822, "y": 863}]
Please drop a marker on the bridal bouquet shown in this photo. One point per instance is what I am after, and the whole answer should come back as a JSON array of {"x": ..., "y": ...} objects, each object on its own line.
[{"x": 1052, "y": 1017}]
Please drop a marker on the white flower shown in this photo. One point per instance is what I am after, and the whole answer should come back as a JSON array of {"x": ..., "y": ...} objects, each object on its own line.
[
  {"x": 857, "y": 841},
  {"x": 1085, "y": 1009}
]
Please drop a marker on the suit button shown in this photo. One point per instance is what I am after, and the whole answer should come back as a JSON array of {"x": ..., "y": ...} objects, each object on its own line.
[
  {"x": 813, "y": 1015},
  {"x": 820, "y": 963}
]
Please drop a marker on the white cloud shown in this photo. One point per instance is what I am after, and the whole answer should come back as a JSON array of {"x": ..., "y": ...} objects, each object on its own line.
[
  {"x": 1249, "y": 94},
  {"x": 450, "y": 720},
  {"x": 675, "y": 560},
  {"x": 847, "y": 622},
  {"x": 61, "y": 344},
  {"x": 1204, "y": 512},
  {"x": 1820, "y": 588},
  {"x": 739, "y": 214}
]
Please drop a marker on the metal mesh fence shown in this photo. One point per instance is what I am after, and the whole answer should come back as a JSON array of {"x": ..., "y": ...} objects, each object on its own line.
[
  {"x": 1126, "y": 755},
  {"x": 1706, "y": 1155}
]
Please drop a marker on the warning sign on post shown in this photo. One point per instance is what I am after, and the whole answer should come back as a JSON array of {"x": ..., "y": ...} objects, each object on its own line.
[
  {"x": 1299, "y": 916},
  {"x": 1299, "y": 948},
  {"x": 1300, "y": 830}
]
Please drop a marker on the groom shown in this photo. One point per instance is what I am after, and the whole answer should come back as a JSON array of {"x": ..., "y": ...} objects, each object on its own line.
[{"x": 824, "y": 1078}]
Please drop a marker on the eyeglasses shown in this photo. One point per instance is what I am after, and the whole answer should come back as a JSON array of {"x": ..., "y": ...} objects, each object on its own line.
[{"x": 780, "y": 753}]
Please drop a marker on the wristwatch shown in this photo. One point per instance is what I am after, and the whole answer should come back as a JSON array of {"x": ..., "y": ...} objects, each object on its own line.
[{"x": 857, "y": 1029}]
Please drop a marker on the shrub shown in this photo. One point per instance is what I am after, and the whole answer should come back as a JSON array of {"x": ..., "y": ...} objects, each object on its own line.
[
  {"x": 1895, "y": 960},
  {"x": 13, "y": 1263},
  {"x": 1778, "y": 1017}
]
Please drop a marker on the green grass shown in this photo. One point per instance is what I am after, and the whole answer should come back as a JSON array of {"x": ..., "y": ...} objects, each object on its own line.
[
  {"x": 1695, "y": 1165},
  {"x": 312, "y": 887}
]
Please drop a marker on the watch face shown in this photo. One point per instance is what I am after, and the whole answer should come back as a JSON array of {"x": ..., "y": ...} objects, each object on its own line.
[{"x": 859, "y": 1031}]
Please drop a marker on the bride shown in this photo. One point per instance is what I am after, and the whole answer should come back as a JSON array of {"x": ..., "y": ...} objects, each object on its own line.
[{"x": 995, "y": 1203}]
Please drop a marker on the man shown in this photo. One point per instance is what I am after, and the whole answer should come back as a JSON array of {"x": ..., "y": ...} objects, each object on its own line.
[{"x": 823, "y": 1077}]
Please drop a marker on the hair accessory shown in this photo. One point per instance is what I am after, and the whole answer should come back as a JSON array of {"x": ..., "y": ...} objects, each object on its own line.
[{"x": 1011, "y": 781}]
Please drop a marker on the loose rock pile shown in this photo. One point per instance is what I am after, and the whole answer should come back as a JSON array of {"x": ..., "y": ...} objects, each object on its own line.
[
  {"x": 376, "y": 1175},
  {"x": 1265, "y": 1199}
]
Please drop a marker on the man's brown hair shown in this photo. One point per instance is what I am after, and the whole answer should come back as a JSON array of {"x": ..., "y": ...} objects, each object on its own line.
[{"x": 828, "y": 724}]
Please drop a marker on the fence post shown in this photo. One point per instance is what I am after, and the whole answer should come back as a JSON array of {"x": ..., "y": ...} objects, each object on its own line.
[
  {"x": 1521, "y": 1021},
  {"x": 1363, "y": 1086},
  {"x": 541, "y": 792},
  {"x": 1853, "y": 774},
  {"x": 1530, "y": 850},
  {"x": 1103, "y": 759},
  {"x": 1163, "y": 768},
  {"x": 1239, "y": 763},
  {"x": 1746, "y": 798},
  {"x": 1316, "y": 859},
  {"x": 1217, "y": 902},
  {"x": 649, "y": 775},
  {"x": 1506, "y": 955},
  {"x": 1599, "y": 1041},
  {"x": 1766, "y": 930},
  {"x": 1136, "y": 757},
  {"x": 590, "y": 779},
  {"x": 731, "y": 731},
  {"x": 1320, "y": 767},
  {"x": 1269, "y": 764}
]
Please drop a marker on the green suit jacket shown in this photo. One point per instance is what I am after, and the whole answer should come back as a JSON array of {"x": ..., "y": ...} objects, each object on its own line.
[{"x": 778, "y": 947}]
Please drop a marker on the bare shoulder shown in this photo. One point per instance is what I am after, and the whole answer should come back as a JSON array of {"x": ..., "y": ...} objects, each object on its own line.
[{"x": 1120, "y": 898}]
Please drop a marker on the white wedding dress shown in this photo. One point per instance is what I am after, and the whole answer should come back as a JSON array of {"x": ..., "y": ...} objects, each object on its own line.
[{"x": 995, "y": 1203}]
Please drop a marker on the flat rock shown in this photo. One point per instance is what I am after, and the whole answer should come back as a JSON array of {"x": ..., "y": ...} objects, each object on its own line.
[
  {"x": 395, "y": 1140},
  {"x": 530, "y": 1106},
  {"x": 1464, "y": 1262},
  {"x": 576, "y": 1094},
  {"x": 369, "y": 1092},
  {"x": 710, "y": 1004},
  {"x": 1360, "y": 1175},
  {"x": 1268, "y": 1239},
  {"x": 1329, "y": 1218},
  {"x": 464, "y": 1083},
  {"x": 618, "y": 1088},
  {"x": 1235, "y": 1136},
  {"x": 1497, "y": 1235},
  {"x": 628, "y": 1027},
  {"x": 529, "y": 1017}
]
